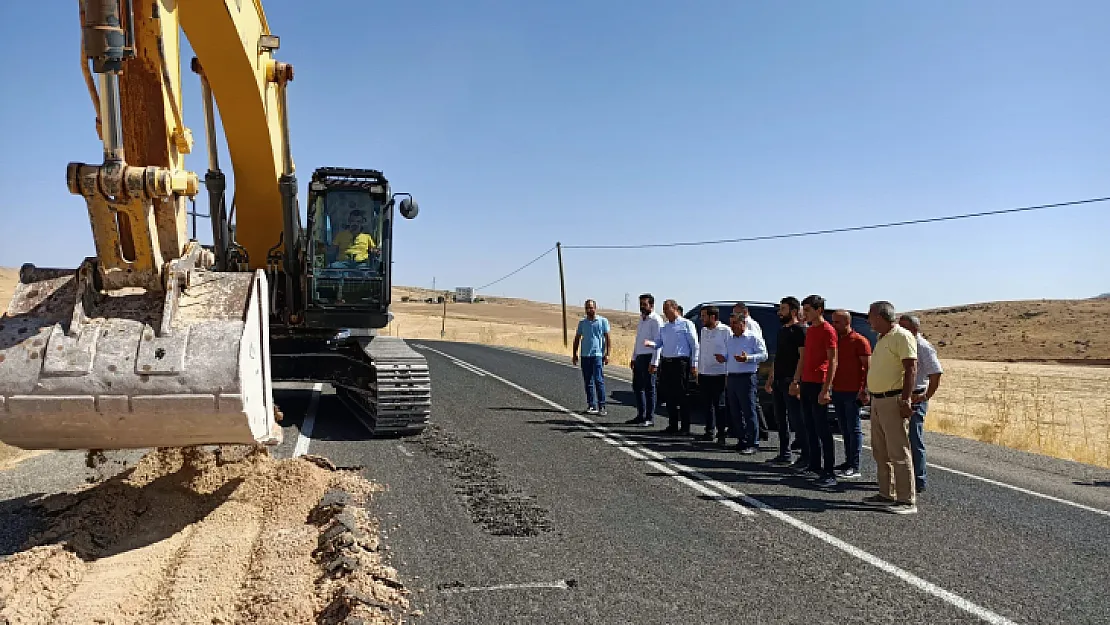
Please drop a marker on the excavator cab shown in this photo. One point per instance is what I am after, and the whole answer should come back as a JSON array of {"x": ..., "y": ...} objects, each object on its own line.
[{"x": 348, "y": 241}]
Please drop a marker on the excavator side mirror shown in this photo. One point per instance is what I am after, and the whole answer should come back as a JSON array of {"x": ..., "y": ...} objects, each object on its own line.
[{"x": 409, "y": 208}]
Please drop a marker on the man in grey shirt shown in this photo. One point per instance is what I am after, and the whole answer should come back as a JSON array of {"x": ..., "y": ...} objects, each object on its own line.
[{"x": 926, "y": 385}]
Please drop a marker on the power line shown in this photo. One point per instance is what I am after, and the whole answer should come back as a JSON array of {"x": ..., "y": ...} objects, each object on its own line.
[
  {"x": 517, "y": 270},
  {"x": 793, "y": 235}
]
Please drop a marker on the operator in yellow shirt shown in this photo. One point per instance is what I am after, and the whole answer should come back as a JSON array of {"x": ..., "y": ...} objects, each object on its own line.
[{"x": 353, "y": 244}]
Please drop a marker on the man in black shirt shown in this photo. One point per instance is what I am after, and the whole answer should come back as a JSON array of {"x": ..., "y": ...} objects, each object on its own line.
[{"x": 788, "y": 409}]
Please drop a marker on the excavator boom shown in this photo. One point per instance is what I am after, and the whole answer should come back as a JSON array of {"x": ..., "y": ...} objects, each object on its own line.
[
  {"x": 154, "y": 343},
  {"x": 158, "y": 341}
]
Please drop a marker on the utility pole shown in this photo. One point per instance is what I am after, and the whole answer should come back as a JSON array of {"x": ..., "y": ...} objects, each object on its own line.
[
  {"x": 563, "y": 291},
  {"x": 626, "y": 302},
  {"x": 433, "y": 284},
  {"x": 443, "y": 328}
]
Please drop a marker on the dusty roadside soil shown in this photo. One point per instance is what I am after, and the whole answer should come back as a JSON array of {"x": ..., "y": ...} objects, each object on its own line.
[{"x": 227, "y": 535}]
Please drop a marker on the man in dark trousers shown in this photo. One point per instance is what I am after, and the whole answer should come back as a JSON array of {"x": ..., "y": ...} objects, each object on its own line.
[
  {"x": 812, "y": 385},
  {"x": 645, "y": 359},
  {"x": 853, "y": 357},
  {"x": 788, "y": 409},
  {"x": 745, "y": 351},
  {"x": 712, "y": 367},
  {"x": 678, "y": 346}
]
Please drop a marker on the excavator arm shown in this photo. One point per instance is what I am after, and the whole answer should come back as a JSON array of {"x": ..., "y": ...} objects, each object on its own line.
[{"x": 157, "y": 341}]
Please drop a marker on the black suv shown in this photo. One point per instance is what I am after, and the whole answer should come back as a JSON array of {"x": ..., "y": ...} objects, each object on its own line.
[{"x": 767, "y": 316}]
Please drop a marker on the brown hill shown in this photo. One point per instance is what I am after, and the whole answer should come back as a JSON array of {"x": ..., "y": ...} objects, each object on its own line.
[{"x": 1068, "y": 331}]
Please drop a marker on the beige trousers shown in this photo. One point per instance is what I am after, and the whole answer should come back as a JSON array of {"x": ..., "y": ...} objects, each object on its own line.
[{"x": 890, "y": 443}]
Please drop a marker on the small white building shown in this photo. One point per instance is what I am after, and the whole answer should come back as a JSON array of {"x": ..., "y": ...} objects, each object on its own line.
[{"x": 464, "y": 294}]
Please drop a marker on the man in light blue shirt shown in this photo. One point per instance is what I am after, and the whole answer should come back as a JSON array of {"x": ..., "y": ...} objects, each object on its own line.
[
  {"x": 678, "y": 347},
  {"x": 745, "y": 351},
  {"x": 593, "y": 336}
]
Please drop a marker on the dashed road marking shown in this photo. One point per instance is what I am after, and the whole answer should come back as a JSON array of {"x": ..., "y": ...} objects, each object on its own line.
[
  {"x": 404, "y": 451},
  {"x": 556, "y": 585},
  {"x": 614, "y": 438},
  {"x": 939, "y": 467},
  {"x": 305, "y": 436},
  {"x": 672, "y": 468}
]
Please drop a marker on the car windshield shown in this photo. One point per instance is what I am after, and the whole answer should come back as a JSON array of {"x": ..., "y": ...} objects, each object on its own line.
[{"x": 348, "y": 229}]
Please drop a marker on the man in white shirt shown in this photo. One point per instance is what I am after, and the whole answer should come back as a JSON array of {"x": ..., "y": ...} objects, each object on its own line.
[
  {"x": 925, "y": 386},
  {"x": 678, "y": 347},
  {"x": 745, "y": 351},
  {"x": 645, "y": 358},
  {"x": 712, "y": 367}
]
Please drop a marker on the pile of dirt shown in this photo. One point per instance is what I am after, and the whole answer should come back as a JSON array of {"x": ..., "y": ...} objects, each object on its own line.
[{"x": 190, "y": 535}]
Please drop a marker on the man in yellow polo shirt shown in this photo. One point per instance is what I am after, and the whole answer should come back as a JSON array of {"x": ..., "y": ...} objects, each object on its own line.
[
  {"x": 353, "y": 244},
  {"x": 890, "y": 382}
]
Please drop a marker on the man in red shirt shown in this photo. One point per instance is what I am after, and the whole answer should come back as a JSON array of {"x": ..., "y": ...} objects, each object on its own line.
[
  {"x": 812, "y": 382},
  {"x": 849, "y": 389}
]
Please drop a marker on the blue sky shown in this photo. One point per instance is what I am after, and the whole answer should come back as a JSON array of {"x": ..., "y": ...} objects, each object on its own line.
[{"x": 518, "y": 124}]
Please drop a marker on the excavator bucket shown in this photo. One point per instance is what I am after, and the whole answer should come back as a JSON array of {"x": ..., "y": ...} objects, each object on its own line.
[{"x": 84, "y": 368}]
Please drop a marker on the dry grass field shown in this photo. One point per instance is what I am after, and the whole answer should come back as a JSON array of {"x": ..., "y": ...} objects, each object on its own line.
[{"x": 1002, "y": 384}]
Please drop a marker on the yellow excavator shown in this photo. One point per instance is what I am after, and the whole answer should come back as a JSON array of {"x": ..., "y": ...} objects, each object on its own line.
[{"x": 160, "y": 341}]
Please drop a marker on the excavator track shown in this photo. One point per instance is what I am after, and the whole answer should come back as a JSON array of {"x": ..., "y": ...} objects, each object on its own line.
[{"x": 399, "y": 400}]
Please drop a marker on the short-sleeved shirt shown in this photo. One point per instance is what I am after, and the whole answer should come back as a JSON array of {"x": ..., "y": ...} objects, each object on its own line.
[
  {"x": 927, "y": 362},
  {"x": 820, "y": 338},
  {"x": 850, "y": 371},
  {"x": 886, "y": 370},
  {"x": 593, "y": 336},
  {"x": 353, "y": 246},
  {"x": 791, "y": 339}
]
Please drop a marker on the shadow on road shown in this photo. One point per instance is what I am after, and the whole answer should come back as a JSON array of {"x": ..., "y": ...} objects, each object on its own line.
[
  {"x": 728, "y": 467},
  {"x": 111, "y": 517}
]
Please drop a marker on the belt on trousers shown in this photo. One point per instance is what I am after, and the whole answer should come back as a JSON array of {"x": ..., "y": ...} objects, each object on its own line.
[
  {"x": 674, "y": 358},
  {"x": 893, "y": 393}
]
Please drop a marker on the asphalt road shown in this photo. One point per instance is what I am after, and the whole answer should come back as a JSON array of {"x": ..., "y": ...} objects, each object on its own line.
[{"x": 512, "y": 509}]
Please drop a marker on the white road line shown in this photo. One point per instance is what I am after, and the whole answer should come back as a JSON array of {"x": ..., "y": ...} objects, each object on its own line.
[
  {"x": 470, "y": 368},
  {"x": 985, "y": 480},
  {"x": 460, "y": 363},
  {"x": 404, "y": 450},
  {"x": 513, "y": 350},
  {"x": 557, "y": 585},
  {"x": 625, "y": 445},
  {"x": 305, "y": 437},
  {"x": 1019, "y": 489},
  {"x": 902, "y": 574},
  {"x": 677, "y": 472}
]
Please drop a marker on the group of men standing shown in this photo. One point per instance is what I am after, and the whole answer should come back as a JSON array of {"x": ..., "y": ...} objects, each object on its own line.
[{"x": 817, "y": 365}]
